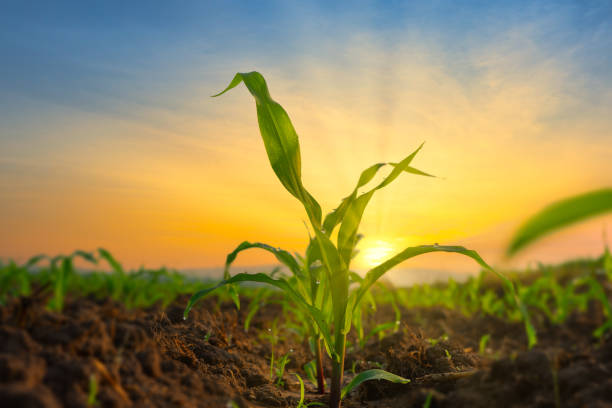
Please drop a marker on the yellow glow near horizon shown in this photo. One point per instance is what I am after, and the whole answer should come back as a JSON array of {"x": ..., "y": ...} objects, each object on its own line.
[
  {"x": 375, "y": 253},
  {"x": 184, "y": 187}
]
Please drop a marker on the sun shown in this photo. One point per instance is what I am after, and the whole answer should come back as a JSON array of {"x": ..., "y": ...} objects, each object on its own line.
[{"x": 373, "y": 252}]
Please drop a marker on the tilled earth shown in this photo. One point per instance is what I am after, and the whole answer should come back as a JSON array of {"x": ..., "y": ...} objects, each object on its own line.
[{"x": 153, "y": 358}]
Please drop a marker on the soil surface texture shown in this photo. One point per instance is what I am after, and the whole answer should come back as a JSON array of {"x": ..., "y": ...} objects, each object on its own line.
[{"x": 153, "y": 358}]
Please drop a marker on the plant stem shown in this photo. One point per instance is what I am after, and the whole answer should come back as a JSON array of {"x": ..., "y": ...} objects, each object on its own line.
[
  {"x": 320, "y": 375},
  {"x": 337, "y": 371}
]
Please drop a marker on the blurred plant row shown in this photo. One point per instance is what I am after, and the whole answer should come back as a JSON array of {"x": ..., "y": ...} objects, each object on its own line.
[
  {"x": 551, "y": 294},
  {"x": 56, "y": 277}
]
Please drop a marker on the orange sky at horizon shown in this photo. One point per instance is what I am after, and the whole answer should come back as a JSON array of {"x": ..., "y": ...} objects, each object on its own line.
[{"x": 508, "y": 129}]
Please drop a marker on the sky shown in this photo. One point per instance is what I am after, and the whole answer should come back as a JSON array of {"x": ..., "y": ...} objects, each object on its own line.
[{"x": 108, "y": 136}]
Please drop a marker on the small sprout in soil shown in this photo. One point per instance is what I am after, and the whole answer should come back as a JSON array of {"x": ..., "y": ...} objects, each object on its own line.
[
  {"x": 482, "y": 344},
  {"x": 428, "y": 399},
  {"x": 302, "y": 391},
  {"x": 277, "y": 369},
  {"x": 93, "y": 391},
  {"x": 232, "y": 404}
]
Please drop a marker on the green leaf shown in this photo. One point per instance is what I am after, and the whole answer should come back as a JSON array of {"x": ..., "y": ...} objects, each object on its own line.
[
  {"x": 337, "y": 274},
  {"x": 88, "y": 256},
  {"x": 301, "y": 401},
  {"x": 561, "y": 214},
  {"x": 374, "y": 374},
  {"x": 111, "y": 260},
  {"x": 283, "y": 256},
  {"x": 34, "y": 260},
  {"x": 254, "y": 306},
  {"x": 351, "y": 220},
  {"x": 280, "y": 140},
  {"x": 282, "y": 284},
  {"x": 335, "y": 217}
]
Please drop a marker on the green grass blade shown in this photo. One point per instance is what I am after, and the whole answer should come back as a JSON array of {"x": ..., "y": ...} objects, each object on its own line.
[
  {"x": 280, "y": 140},
  {"x": 283, "y": 256},
  {"x": 301, "y": 401},
  {"x": 561, "y": 214},
  {"x": 59, "y": 284},
  {"x": 374, "y": 374},
  {"x": 281, "y": 284},
  {"x": 34, "y": 260},
  {"x": 111, "y": 260},
  {"x": 88, "y": 256},
  {"x": 377, "y": 272},
  {"x": 380, "y": 328},
  {"x": 256, "y": 303}
]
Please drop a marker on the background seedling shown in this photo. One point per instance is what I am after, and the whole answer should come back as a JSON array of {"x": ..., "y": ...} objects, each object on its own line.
[{"x": 559, "y": 215}]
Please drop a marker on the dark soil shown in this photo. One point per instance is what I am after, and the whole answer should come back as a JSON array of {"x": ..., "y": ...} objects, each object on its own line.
[{"x": 152, "y": 358}]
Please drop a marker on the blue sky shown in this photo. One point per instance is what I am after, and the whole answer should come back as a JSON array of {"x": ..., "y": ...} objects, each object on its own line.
[
  {"x": 87, "y": 53},
  {"x": 110, "y": 99}
]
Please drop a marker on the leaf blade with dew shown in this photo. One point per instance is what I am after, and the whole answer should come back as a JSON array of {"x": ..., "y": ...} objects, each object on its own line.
[
  {"x": 280, "y": 140},
  {"x": 280, "y": 283},
  {"x": 560, "y": 214},
  {"x": 369, "y": 375},
  {"x": 377, "y": 272}
]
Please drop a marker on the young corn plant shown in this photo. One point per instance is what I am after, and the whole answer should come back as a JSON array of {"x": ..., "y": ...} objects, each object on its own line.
[
  {"x": 559, "y": 215},
  {"x": 321, "y": 286}
]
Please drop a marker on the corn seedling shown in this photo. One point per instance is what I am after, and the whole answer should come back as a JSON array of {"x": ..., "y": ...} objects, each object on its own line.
[
  {"x": 140, "y": 288},
  {"x": 92, "y": 395},
  {"x": 559, "y": 215},
  {"x": 278, "y": 369},
  {"x": 301, "y": 401},
  {"x": 428, "y": 399},
  {"x": 315, "y": 284},
  {"x": 482, "y": 344}
]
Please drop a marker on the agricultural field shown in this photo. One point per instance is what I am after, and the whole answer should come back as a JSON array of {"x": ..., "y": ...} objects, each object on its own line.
[
  {"x": 315, "y": 333},
  {"x": 119, "y": 339},
  {"x": 306, "y": 204}
]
